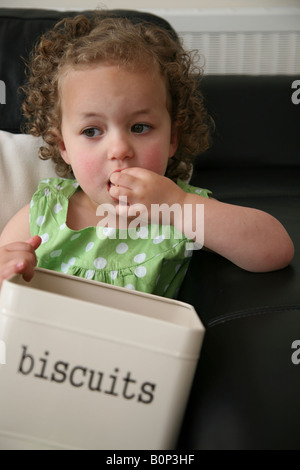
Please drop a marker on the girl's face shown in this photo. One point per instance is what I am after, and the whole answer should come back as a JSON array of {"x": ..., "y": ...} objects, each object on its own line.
[{"x": 114, "y": 118}]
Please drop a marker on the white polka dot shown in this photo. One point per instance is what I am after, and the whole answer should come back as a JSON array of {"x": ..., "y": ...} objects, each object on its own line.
[
  {"x": 57, "y": 208},
  {"x": 108, "y": 231},
  {"x": 75, "y": 185},
  {"x": 47, "y": 192},
  {"x": 140, "y": 257},
  {"x": 198, "y": 191},
  {"x": 64, "y": 267},
  {"x": 31, "y": 203},
  {"x": 45, "y": 237},
  {"x": 58, "y": 186},
  {"x": 89, "y": 246},
  {"x": 113, "y": 274},
  {"x": 158, "y": 277},
  {"x": 177, "y": 267},
  {"x": 55, "y": 254},
  {"x": 142, "y": 232},
  {"x": 89, "y": 274},
  {"x": 40, "y": 220},
  {"x": 122, "y": 248},
  {"x": 140, "y": 271},
  {"x": 158, "y": 239},
  {"x": 46, "y": 180},
  {"x": 63, "y": 226},
  {"x": 100, "y": 263},
  {"x": 77, "y": 235},
  {"x": 130, "y": 286},
  {"x": 166, "y": 288}
]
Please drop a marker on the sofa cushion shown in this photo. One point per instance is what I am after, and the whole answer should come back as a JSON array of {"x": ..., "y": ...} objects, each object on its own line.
[
  {"x": 256, "y": 122},
  {"x": 20, "y": 172}
]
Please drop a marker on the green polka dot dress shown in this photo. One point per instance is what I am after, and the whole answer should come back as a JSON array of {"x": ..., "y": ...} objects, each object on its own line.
[{"x": 151, "y": 259}]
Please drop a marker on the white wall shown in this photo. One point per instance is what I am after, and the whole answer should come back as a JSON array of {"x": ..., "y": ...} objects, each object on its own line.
[
  {"x": 233, "y": 36},
  {"x": 145, "y": 4}
]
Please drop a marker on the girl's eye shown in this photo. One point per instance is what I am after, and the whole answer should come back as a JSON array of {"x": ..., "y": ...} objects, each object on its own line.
[
  {"x": 91, "y": 132},
  {"x": 140, "y": 128}
]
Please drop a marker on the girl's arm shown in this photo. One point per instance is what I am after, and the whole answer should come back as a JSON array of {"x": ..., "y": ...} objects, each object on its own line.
[
  {"x": 17, "y": 247},
  {"x": 250, "y": 238}
]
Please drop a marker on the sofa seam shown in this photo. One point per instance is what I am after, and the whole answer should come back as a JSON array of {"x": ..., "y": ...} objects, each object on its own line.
[{"x": 250, "y": 312}]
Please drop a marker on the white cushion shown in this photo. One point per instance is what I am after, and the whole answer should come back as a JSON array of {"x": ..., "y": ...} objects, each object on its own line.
[{"x": 20, "y": 172}]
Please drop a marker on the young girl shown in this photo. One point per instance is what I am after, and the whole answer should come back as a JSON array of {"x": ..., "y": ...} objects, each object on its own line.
[{"x": 119, "y": 109}]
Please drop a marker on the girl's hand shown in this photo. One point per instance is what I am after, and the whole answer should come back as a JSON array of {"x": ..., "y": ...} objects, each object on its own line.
[
  {"x": 142, "y": 188},
  {"x": 18, "y": 257}
]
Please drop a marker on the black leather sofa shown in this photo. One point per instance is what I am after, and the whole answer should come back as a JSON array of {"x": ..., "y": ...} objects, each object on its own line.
[{"x": 247, "y": 384}]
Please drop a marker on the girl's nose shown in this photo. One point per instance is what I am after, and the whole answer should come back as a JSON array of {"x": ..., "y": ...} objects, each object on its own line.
[{"x": 119, "y": 147}]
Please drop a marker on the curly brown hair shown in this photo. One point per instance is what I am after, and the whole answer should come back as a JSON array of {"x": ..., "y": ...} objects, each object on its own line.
[{"x": 81, "y": 41}]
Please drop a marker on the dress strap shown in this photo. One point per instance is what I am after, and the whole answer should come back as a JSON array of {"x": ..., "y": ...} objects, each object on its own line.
[{"x": 66, "y": 187}]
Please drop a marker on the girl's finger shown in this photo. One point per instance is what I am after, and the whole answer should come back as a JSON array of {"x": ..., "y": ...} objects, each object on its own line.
[{"x": 34, "y": 241}]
